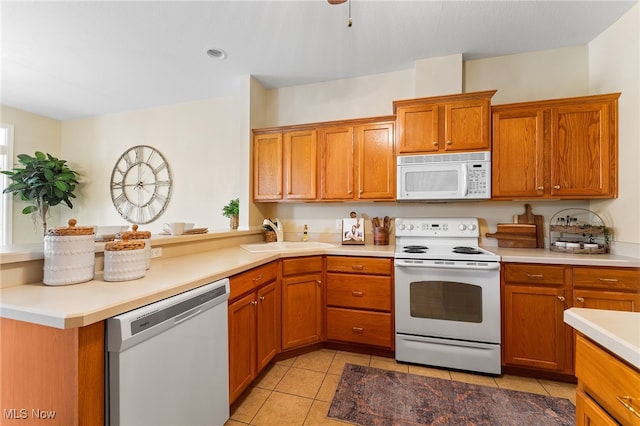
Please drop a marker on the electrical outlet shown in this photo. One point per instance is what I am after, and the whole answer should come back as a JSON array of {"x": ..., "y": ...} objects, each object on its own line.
[
  {"x": 338, "y": 223},
  {"x": 156, "y": 252}
]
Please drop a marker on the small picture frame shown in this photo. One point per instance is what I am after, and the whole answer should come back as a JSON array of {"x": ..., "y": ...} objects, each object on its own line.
[{"x": 353, "y": 231}]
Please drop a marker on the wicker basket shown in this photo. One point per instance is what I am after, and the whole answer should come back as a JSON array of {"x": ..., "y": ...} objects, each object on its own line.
[{"x": 270, "y": 236}]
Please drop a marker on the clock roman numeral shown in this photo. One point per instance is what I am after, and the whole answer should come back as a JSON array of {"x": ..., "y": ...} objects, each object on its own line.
[
  {"x": 160, "y": 168},
  {"x": 139, "y": 154},
  {"x": 163, "y": 183},
  {"x": 121, "y": 199}
]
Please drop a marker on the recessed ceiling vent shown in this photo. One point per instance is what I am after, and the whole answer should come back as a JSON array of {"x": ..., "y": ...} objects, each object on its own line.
[{"x": 217, "y": 53}]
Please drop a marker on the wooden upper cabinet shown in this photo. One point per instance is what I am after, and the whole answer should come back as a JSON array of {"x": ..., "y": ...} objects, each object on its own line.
[
  {"x": 267, "y": 167},
  {"x": 518, "y": 153},
  {"x": 444, "y": 123},
  {"x": 337, "y": 156},
  {"x": 563, "y": 148},
  {"x": 376, "y": 166},
  {"x": 300, "y": 169}
]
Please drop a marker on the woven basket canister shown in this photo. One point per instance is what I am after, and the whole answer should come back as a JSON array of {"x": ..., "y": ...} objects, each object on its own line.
[
  {"x": 124, "y": 260},
  {"x": 270, "y": 236},
  {"x": 145, "y": 236},
  {"x": 69, "y": 254}
]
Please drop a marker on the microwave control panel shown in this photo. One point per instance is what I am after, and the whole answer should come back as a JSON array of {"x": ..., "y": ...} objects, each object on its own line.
[{"x": 479, "y": 175}]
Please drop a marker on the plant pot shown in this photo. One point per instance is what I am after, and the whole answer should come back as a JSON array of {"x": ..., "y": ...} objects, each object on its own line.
[{"x": 233, "y": 221}]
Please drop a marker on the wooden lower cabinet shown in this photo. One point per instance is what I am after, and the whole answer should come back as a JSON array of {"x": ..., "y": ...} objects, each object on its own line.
[
  {"x": 607, "y": 386},
  {"x": 360, "y": 301},
  {"x": 254, "y": 327},
  {"x": 534, "y": 297},
  {"x": 52, "y": 376},
  {"x": 302, "y": 301}
]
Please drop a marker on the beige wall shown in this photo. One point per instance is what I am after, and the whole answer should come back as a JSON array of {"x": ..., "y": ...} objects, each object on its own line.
[
  {"x": 203, "y": 142},
  {"x": 33, "y": 133},
  {"x": 614, "y": 66}
]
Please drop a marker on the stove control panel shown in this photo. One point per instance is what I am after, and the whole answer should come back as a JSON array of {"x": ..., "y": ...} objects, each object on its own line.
[{"x": 437, "y": 227}]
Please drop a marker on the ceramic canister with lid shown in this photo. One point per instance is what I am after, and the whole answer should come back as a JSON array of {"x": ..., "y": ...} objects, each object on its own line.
[
  {"x": 69, "y": 254},
  {"x": 124, "y": 260},
  {"x": 145, "y": 236}
]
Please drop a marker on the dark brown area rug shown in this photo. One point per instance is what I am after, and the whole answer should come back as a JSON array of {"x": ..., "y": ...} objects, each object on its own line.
[{"x": 371, "y": 396}]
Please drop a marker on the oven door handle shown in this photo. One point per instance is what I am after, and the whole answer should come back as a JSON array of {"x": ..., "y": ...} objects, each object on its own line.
[{"x": 447, "y": 264}]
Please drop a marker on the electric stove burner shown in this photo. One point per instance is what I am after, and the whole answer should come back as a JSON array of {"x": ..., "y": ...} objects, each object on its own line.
[
  {"x": 415, "y": 249},
  {"x": 466, "y": 250}
]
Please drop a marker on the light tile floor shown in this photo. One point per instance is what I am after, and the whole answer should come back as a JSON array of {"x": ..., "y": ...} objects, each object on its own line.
[{"x": 298, "y": 391}]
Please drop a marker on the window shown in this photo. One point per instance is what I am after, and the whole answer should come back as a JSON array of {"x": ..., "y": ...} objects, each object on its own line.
[{"x": 6, "y": 200}]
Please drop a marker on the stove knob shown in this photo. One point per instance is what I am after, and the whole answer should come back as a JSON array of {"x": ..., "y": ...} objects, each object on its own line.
[
  {"x": 472, "y": 227},
  {"x": 401, "y": 226},
  {"x": 410, "y": 227},
  {"x": 462, "y": 227}
]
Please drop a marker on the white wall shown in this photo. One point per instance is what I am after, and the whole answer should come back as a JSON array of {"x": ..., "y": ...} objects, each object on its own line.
[
  {"x": 204, "y": 144},
  {"x": 33, "y": 133},
  {"x": 614, "y": 66}
]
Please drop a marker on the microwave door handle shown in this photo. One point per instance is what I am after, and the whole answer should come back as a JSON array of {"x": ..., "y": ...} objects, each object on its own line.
[{"x": 465, "y": 180}]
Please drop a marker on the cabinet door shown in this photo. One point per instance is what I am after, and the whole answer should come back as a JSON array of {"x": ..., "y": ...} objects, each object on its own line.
[
  {"x": 417, "y": 130},
  {"x": 301, "y": 310},
  {"x": 376, "y": 167},
  {"x": 337, "y": 156},
  {"x": 534, "y": 332},
  {"x": 242, "y": 344},
  {"x": 610, "y": 300},
  {"x": 300, "y": 162},
  {"x": 267, "y": 167},
  {"x": 517, "y": 153},
  {"x": 582, "y": 157},
  {"x": 268, "y": 324},
  {"x": 466, "y": 125},
  {"x": 589, "y": 413}
]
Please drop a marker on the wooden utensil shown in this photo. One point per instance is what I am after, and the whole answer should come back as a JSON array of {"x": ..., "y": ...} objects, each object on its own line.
[{"x": 529, "y": 218}]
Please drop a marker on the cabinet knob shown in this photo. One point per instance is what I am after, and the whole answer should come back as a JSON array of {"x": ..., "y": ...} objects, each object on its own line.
[
  {"x": 357, "y": 293},
  {"x": 580, "y": 299},
  {"x": 556, "y": 186},
  {"x": 561, "y": 298},
  {"x": 357, "y": 329},
  {"x": 449, "y": 143},
  {"x": 318, "y": 282},
  {"x": 541, "y": 188},
  {"x": 435, "y": 143},
  {"x": 254, "y": 302},
  {"x": 262, "y": 298}
]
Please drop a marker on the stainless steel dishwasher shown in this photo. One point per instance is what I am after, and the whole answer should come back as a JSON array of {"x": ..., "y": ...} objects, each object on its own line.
[{"x": 168, "y": 362}]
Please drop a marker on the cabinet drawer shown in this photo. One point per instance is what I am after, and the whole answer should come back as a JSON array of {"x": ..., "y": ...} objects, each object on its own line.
[
  {"x": 249, "y": 280},
  {"x": 361, "y": 292},
  {"x": 533, "y": 274},
  {"x": 301, "y": 265},
  {"x": 588, "y": 413},
  {"x": 360, "y": 265},
  {"x": 367, "y": 328},
  {"x": 607, "y": 278},
  {"x": 608, "y": 380}
]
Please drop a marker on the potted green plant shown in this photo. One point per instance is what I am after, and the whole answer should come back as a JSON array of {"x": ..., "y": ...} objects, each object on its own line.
[
  {"x": 232, "y": 211},
  {"x": 44, "y": 181}
]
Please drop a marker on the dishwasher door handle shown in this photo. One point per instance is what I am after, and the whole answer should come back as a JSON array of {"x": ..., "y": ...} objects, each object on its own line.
[{"x": 185, "y": 316}]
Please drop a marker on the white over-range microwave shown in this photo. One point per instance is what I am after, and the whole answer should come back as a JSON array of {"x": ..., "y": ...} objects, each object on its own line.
[{"x": 441, "y": 177}]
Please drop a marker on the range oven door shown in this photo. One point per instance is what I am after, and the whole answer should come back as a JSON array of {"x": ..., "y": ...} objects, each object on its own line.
[{"x": 448, "y": 299}]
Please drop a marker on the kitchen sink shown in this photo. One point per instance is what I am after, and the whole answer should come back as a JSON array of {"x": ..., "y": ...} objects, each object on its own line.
[{"x": 285, "y": 245}]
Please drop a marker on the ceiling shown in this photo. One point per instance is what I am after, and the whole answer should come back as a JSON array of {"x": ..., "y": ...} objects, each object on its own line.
[{"x": 74, "y": 59}]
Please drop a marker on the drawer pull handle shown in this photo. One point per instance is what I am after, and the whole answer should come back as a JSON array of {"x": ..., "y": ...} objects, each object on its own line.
[
  {"x": 627, "y": 401},
  {"x": 357, "y": 267},
  {"x": 608, "y": 280},
  {"x": 258, "y": 278},
  {"x": 561, "y": 298},
  {"x": 357, "y": 293},
  {"x": 357, "y": 329},
  {"x": 580, "y": 299},
  {"x": 535, "y": 276}
]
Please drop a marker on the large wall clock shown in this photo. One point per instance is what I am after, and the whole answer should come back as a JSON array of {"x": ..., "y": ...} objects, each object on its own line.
[{"x": 141, "y": 184}]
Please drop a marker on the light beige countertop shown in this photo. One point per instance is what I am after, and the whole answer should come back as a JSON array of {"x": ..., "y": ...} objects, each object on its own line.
[
  {"x": 82, "y": 304},
  {"x": 616, "y": 331},
  {"x": 528, "y": 255}
]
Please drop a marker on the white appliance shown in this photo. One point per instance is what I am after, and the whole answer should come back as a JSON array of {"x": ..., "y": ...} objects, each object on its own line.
[
  {"x": 447, "y": 295},
  {"x": 441, "y": 177},
  {"x": 168, "y": 362}
]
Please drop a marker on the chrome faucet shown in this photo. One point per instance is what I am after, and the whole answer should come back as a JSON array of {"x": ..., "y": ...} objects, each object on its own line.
[{"x": 277, "y": 228}]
